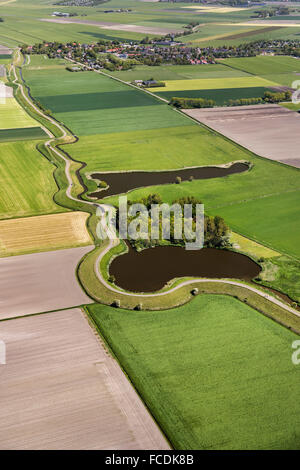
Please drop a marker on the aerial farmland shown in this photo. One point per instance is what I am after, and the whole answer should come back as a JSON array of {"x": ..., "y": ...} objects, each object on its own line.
[{"x": 149, "y": 226}]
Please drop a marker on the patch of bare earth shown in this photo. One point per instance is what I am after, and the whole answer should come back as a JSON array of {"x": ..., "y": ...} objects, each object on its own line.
[
  {"x": 5, "y": 50},
  {"x": 60, "y": 389},
  {"x": 114, "y": 26},
  {"x": 270, "y": 131},
  {"x": 41, "y": 282}
]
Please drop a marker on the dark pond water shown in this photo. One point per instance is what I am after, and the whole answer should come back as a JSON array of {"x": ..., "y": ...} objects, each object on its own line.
[
  {"x": 122, "y": 182},
  {"x": 152, "y": 268}
]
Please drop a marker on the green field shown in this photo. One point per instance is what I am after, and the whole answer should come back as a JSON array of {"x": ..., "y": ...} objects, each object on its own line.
[
  {"x": 177, "y": 72},
  {"x": 265, "y": 65},
  {"x": 209, "y": 32},
  {"x": 155, "y": 149},
  {"x": 285, "y": 79},
  {"x": 12, "y": 115},
  {"x": 214, "y": 84},
  {"x": 269, "y": 213},
  {"x": 91, "y": 103},
  {"x": 220, "y": 96},
  {"x": 265, "y": 34},
  {"x": 196, "y": 394},
  {"x": 22, "y": 22},
  {"x": 27, "y": 184},
  {"x": 25, "y": 133}
]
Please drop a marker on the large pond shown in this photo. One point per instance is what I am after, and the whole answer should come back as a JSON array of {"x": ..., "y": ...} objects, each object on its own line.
[
  {"x": 150, "y": 269},
  {"x": 123, "y": 182}
]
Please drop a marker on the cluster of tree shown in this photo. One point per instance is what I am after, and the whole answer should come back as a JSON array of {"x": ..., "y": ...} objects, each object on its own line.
[
  {"x": 244, "y": 102},
  {"x": 270, "y": 12},
  {"x": 269, "y": 97},
  {"x": 151, "y": 60},
  {"x": 112, "y": 63},
  {"x": 276, "y": 97},
  {"x": 216, "y": 231},
  {"x": 185, "y": 103}
]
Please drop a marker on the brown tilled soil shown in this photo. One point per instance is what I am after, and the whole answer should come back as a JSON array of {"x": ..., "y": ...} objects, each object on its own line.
[
  {"x": 40, "y": 282},
  {"x": 271, "y": 131},
  {"x": 61, "y": 390},
  {"x": 5, "y": 50}
]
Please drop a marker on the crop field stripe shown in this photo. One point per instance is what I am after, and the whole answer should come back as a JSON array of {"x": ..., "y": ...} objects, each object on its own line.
[
  {"x": 115, "y": 110},
  {"x": 264, "y": 65},
  {"x": 13, "y": 116},
  {"x": 253, "y": 32},
  {"x": 220, "y": 96},
  {"x": 23, "y": 133},
  {"x": 217, "y": 83},
  {"x": 24, "y": 177},
  {"x": 177, "y": 72},
  {"x": 43, "y": 233},
  {"x": 91, "y": 101}
]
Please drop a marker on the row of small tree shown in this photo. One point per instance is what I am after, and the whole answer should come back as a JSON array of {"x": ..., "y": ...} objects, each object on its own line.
[{"x": 185, "y": 103}]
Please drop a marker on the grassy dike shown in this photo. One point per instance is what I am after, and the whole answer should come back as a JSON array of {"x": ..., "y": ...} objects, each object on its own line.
[{"x": 86, "y": 269}]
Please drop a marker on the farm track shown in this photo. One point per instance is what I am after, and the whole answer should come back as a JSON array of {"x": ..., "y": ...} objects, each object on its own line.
[{"x": 103, "y": 210}]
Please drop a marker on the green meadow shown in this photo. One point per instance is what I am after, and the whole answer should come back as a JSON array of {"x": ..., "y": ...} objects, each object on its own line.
[
  {"x": 155, "y": 149},
  {"x": 91, "y": 103},
  {"x": 231, "y": 383},
  {"x": 265, "y": 34},
  {"x": 27, "y": 185},
  {"x": 12, "y": 115},
  {"x": 176, "y": 72},
  {"x": 264, "y": 65},
  {"x": 277, "y": 221},
  {"x": 25, "y": 133}
]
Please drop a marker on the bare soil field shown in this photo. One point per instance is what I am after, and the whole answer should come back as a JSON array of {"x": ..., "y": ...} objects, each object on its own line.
[
  {"x": 40, "y": 282},
  {"x": 270, "y": 131},
  {"x": 4, "y": 49},
  {"x": 60, "y": 389},
  {"x": 116, "y": 26},
  {"x": 43, "y": 233},
  {"x": 9, "y": 92}
]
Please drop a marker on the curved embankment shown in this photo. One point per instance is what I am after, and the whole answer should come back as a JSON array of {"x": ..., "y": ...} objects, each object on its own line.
[
  {"x": 91, "y": 273},
  {"x": 122, "y": 182}
]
